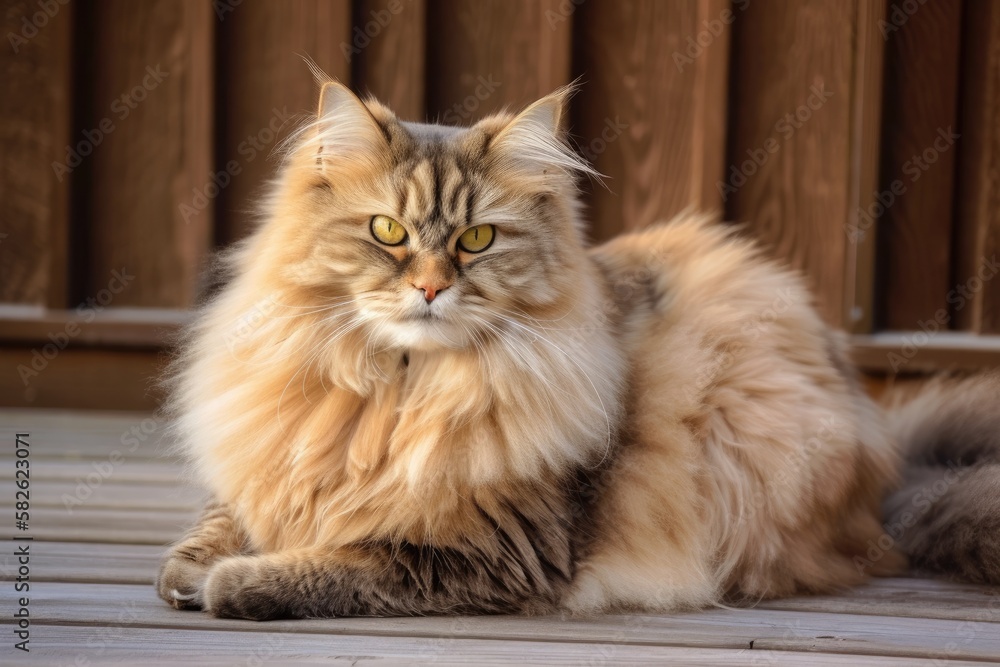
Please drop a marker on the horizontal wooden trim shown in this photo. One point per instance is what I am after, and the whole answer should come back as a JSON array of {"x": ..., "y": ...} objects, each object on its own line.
[
  {"x": 922, "y": 352},
  {"x": 143, "y": 328},
  {"x": 156, "y": 329}
]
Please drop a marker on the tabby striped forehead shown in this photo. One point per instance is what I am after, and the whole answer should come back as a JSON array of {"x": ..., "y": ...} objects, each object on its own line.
[{"x": 436, "y": 195}]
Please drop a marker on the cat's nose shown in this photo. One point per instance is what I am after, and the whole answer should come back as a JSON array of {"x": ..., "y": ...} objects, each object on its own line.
[{"x": 430, "y": 287}]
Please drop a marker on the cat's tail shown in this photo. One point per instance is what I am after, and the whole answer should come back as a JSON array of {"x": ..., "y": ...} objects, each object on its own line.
[{"x": 946, "y": 516}]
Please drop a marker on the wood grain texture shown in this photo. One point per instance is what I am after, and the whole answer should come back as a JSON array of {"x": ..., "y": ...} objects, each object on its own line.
[
  {"x": 85, "y": 378},
  {"x": 484, "y": 55},
  {"x": 627, "y": 636},
  {"x": 921, "y": 106},
  {"x": 35, "y": 108},
  {"x": 789, "y": 161},
  {"x": 148, "y": 116},
  {"x": 80, "y": 562},
  {"x": 978, "y": 191},
  {"x": 863, "y": 179},
  {"x": 94, "y": 600},
  {"x": 652, "y": 110},
  {"x": 145, "y": 328},
  {"x": 126, "y": 640},
  {"x": 392, "y": 66},
  {"x": 111, "y": 526},
  {"x": 265, "y": 89}
]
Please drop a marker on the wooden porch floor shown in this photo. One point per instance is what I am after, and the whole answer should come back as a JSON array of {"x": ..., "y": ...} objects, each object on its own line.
[{"x": 100, "y": 521}]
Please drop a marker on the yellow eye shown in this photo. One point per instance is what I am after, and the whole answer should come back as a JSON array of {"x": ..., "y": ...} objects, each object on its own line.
[
  {"x": 476, "y": 239},
  {"x": 387, "y": 231}
]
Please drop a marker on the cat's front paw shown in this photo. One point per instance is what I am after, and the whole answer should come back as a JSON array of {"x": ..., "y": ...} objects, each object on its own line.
[
  {"x": 240, "y": 587},
  {"x": 180, "y": 582}
]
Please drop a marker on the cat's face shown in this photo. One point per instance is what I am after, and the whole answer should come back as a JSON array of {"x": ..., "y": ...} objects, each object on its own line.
[{"x": 431, "y": 236}]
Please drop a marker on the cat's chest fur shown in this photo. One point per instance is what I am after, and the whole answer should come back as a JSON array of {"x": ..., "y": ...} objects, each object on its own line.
[{"x": 435, "y": 440}]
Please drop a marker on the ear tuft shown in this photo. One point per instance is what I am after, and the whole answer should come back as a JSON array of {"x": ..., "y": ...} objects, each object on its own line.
[
  {"x": 345, "y": 127},
  {"x": 535, "y": 138}
]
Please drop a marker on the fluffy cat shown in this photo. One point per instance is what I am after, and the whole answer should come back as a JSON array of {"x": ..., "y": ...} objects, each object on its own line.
[{"x": 420, "y": 393}]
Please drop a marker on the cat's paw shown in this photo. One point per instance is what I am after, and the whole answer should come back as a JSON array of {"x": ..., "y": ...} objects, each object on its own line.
[
  {"x": 240, "y": 587},
  {"x": 180, "y": 582}
]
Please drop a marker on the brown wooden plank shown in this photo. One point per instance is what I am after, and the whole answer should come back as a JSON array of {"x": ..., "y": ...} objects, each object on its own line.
[
  {"x": 918, "y": 158},
  {"x": 148, "y": 114},
  {"x": 146, "y": 328},
  {"x": 652, "y": 109},
  {"x": 915, "y": 352},
  {"x": 866, "y": 127},
  {"x": 769, "y": 630},
  {"x": 387, "y": 50},
  {"x": 789, "y": 158},
  {"x": 265, "y": 89},
  {"x": 85, "y": 378},
  {"x": 34, "y": 193},
  {"x": 978, "y": 192},
  {"x": 488, "y": 54}
]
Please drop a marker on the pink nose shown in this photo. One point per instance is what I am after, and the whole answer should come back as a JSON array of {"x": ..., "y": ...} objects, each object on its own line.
[{"x": 430, "y": 288}]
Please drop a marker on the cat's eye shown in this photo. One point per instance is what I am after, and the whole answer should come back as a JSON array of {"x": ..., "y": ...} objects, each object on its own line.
[
  {"x": 388, "y": 231},
  {"x": 476, "y": 239}
]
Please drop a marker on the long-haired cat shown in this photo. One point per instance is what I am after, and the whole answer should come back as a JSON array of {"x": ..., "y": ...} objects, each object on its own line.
[{"x": 421, "y": 393}]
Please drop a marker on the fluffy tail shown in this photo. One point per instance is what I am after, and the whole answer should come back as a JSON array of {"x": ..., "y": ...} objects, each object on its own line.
[{"x": 946, "y": 516}]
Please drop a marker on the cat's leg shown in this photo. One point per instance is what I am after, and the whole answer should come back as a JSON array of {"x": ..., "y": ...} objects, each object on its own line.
[
  {"x": 651, "y": 547},
  {"x": 186, "y": 566},
  {"x": 372, "y": 579}
]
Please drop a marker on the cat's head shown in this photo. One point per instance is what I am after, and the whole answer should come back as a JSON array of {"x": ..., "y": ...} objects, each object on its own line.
[{"x": 429, "y": 235}]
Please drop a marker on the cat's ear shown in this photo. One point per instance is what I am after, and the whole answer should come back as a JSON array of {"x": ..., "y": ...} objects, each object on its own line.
[
  {"x": 345, "y": 128},
  {"x": 535, "y": 139}
]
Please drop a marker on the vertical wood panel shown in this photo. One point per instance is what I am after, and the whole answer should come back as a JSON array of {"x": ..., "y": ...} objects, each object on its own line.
[
  {"x": 35, "y": 108},
  {"x": 148, "y": 118},
  {"x": 265, "y": 87},
  {"x": 392, "y": 65},
  {"x": 921, "y": 104},
  {"x": 652, "y": 111},
  {"x": 484, "y": 55},
  {"x": 978, "y": 209},
  {"x": 791, "y": 113},
  {"x": 866, "y": 131}
]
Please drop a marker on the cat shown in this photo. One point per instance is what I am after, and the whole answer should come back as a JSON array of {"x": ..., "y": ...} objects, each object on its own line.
[{"x": 421, "y": 393}]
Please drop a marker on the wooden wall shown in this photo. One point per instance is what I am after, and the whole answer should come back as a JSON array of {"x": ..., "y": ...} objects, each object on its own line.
[{"x": 137, "y": 135}]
